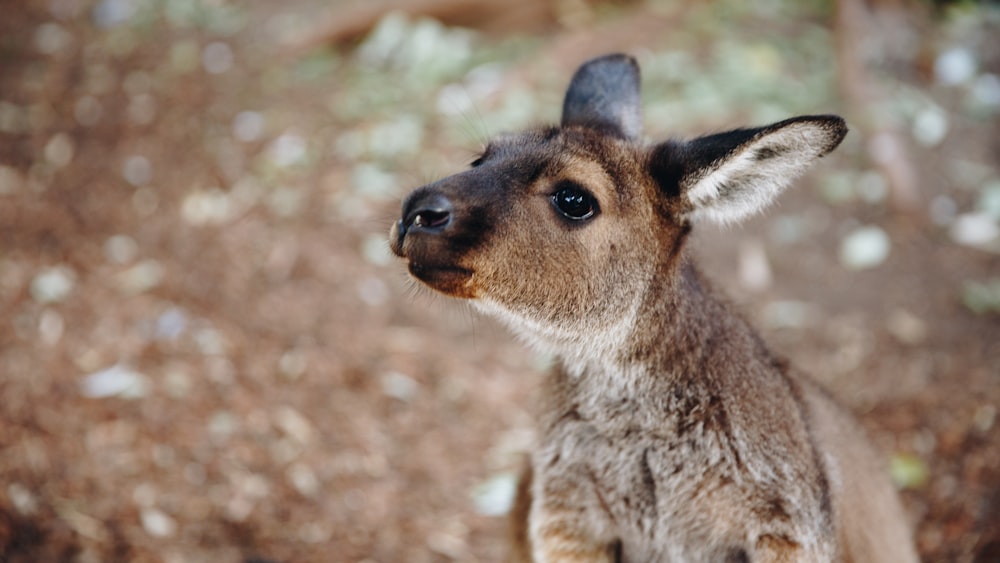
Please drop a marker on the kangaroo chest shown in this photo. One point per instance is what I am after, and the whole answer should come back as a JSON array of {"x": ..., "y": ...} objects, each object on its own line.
[{"x": 672, "y": 477}]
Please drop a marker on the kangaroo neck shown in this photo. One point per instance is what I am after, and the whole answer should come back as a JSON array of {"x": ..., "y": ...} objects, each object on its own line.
[
  {"x": 681, "y": 352},
  {"x": 684, "y": 328}
]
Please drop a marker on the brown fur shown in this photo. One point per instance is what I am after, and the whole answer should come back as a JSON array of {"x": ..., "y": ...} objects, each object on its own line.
[{"x": 669, "y": 432}]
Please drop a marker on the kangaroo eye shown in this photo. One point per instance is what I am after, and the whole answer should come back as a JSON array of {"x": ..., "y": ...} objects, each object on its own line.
[
  {"x": 573, "y": 201},
  {"x": 482, "y": 157}
]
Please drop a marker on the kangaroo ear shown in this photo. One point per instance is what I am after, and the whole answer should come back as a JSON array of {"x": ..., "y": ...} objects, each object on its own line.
[
  {"x": 604, "y": 94},
  {"x": 729, "y": 176}
]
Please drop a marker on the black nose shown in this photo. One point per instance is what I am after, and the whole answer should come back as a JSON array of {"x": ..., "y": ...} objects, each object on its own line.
[{"x": 428, "y": 211}]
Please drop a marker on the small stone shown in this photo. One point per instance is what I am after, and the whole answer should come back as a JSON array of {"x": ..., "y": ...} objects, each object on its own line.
[
  {"x": 955, "y": 66},
  {"x": 253, "y": 485},
  {"x": 495, "y": 496},
  {"x": 974, "y": 229},
  {"x": 399, "y": 385},
  {"x": 115, "y": 381},
  {"x": 984, "y": 418},
  {"x": 222, "y": 425},
  {"x": 217, "y": 57},
  {"x": 120, "y": 249},
  {"x": 52, "y": 38},
  {"x": 865, "y": 247},
  {"x": 930, "y": 126},
  {"x": 89, "y": 359},
  {"x": 239, "y": 508},
  {"x": 53, "y": 285},
  {"x": 211, "y": 207},
  {"x": 137, "y": 170},
  {"x": 140, "y": 278},
  {"x": 906, "y": 327},
  {"x": 287, "y": 150},
  {"x": 303, "y": 479},
  {"x": 293, "y": 364},
  {"x": 210, "y": 342},
  {"x": 248, "y": 126},
  {"x": 22, "y": 498},
  {"x": 989, "y": 200},
  {"x": 982, "y": 297},
  {"x": 50, "y": 327},
  {"x": 59, "y": 150},
  {"x": 157, "y": 523},
  {"x": 171, "y": 324},
  {"x": 986, "y": 91},
  {"x": 293, "y": 423}
]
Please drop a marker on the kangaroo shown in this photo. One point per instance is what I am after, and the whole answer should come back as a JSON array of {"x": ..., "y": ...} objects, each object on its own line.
[{"x": 669, "y": 432}]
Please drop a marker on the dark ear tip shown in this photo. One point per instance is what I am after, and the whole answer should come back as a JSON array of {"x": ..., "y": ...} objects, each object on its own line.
[
  {"x": 611, "y": 58},
  {"x": 833, "y": 124},
  {"x": 623, "y": 57},
  {"x": 604, "y": 94},
  {"x": 839, "y": 129}
]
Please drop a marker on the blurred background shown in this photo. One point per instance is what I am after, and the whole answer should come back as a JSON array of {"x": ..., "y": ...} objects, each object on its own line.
[{"x": 207, "y": 352}]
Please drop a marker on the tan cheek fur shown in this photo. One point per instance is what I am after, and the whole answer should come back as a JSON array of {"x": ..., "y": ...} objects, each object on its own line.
[{"x": 553, "y": 283}]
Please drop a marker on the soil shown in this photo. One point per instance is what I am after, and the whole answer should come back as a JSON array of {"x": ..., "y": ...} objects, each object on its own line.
[{"x": 284, "y": 391}]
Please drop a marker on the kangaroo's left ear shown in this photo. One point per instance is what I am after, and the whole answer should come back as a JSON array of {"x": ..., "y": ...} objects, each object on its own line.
[
  {"x": 729, "y": 176},
  {"x": 604, "y": 94}
]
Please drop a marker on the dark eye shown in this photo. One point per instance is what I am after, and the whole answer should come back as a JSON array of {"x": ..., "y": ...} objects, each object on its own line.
[
  {"x": 573, "y": 201},
  {"x": 482, "y": 157}
]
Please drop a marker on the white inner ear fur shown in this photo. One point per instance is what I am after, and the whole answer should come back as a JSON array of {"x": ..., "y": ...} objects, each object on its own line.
[{"x": 746, "y": 181}]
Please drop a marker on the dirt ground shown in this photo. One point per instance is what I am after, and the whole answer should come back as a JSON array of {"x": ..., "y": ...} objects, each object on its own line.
[{"x": 207, "y": 354}]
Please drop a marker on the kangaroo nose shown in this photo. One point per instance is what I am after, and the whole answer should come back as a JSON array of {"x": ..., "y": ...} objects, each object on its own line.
[{"x": 430, "y": 212}]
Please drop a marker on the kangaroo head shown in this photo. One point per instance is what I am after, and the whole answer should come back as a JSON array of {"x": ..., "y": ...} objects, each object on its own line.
[{"x": 563, "y": 231}]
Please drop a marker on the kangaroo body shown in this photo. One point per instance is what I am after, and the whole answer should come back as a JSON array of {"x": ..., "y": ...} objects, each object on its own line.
[{"x": 669, "y": 432}]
